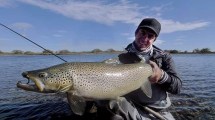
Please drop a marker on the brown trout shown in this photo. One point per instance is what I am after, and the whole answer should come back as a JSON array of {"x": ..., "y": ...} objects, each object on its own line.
[{"x": 89, "y": 80}]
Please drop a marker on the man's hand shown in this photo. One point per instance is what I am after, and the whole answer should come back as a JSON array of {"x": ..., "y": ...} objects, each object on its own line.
[{"x": 157, "y": 72}]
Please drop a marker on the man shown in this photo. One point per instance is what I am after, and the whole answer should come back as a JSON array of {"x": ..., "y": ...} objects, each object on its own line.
[{"x": 164, "y": 79}]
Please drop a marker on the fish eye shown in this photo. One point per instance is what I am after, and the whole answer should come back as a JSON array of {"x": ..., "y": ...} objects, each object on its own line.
[{"x": 42, "y": 75}]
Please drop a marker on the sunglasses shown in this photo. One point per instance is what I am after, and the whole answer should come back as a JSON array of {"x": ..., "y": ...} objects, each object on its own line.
[{"x": 149, "y": 34}]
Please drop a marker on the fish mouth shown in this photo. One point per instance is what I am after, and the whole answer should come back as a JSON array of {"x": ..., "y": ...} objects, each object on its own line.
[
  {"x": 28, "y": 87},
  {"x": 36, "y": 86}
]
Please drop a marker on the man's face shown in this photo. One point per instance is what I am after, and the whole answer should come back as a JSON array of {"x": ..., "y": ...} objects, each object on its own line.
[{"x": 144, "y": 38}]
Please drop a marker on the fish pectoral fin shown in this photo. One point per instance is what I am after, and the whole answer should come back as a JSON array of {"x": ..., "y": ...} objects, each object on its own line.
[
  {"x": 146, "y": 88},
  {"x": 114, "y": 104},
  {"x": 77, "y": 103}
]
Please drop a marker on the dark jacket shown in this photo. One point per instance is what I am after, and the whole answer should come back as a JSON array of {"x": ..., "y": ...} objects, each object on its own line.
[{"x": 170, "y": 82}]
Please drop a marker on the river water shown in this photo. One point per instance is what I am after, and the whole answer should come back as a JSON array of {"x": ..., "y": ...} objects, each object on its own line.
[{"x": 195, "y": 102}]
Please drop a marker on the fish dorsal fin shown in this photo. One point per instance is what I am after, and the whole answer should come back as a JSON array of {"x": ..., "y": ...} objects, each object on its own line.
[
  {"x": 77, "y": 103},
  {"x": 113, "y": 61},
  {"x": 146, "y": 88}
]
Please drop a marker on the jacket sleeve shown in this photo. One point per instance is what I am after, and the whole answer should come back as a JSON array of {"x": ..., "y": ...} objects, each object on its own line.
[{"x": 170, "y": 79}]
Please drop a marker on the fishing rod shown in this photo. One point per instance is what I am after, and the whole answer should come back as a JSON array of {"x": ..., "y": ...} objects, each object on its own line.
[{"x": 32, "y": 42}]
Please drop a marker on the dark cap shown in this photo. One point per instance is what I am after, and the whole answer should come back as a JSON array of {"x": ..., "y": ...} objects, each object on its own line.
[{"x": 150, "y": 23}]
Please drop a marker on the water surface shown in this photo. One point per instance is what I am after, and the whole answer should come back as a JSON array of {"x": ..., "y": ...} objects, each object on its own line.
[{"x": 196, "y": 101}]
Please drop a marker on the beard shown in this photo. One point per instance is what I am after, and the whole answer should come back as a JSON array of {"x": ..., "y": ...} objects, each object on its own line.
[{"x": 142, "y": 46}]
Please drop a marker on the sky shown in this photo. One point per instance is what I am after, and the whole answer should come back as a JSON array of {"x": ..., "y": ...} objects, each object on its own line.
[{"x": 84, "y": 25}]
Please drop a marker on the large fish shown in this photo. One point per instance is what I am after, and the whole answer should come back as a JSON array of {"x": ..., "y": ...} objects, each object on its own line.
[{"x": 89, "y": 80}]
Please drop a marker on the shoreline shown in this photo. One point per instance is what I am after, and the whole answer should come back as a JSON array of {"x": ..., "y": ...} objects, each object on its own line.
[{"x": 80, "y": 53}]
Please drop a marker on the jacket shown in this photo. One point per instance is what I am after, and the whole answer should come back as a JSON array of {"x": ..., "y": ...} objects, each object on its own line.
[{"x": 170, "y": 81}]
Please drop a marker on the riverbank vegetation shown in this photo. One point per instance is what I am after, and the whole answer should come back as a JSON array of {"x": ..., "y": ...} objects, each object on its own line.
[
  {"x": 98, "y": 51},
  {"x": 60, "y": 52},
  {"x": 195, "y": 51}
]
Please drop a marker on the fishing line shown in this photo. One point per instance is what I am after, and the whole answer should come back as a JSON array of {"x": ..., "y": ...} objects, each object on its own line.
[{"x": 32, "y": 42}]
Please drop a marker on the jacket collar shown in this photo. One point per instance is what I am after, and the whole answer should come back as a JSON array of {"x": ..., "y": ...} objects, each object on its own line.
[
  {"x": 157, "y": 52},
  {"x": 144, "y": 55},
  {"x": 154, "y": 54}
]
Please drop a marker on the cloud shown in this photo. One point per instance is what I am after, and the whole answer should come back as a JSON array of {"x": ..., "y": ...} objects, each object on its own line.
[
  {"x": 22, "y": 25},
  {"x": 106, "y": 13},
  {"x": 122, "y": 11},
  {"x": 5, "y": 3},
  {"x": 59, "y": 33},
  {"x": 169, "y": 26},
  {"x": 158, "y": 42}
]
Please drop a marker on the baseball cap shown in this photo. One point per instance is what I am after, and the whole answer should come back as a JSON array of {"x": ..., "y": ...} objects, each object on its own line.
[{"x": 150, "y": 23}]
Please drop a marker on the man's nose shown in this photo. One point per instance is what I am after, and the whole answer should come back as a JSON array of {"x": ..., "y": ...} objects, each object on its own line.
[{"x": 145, "y": 37}]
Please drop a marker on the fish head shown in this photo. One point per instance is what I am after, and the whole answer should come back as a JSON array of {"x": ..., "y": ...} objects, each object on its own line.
[{"x": 52, "y": 79}]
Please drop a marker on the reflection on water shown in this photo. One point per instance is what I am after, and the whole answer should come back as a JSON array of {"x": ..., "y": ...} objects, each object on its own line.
[{"x": 196, "y": 101}]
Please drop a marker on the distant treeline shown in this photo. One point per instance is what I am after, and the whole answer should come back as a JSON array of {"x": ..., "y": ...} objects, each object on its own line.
[
  {"x": 199, "y": 51},
  {"x": 95, "y": 51},
  {"x": 60, "y": 52}
]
